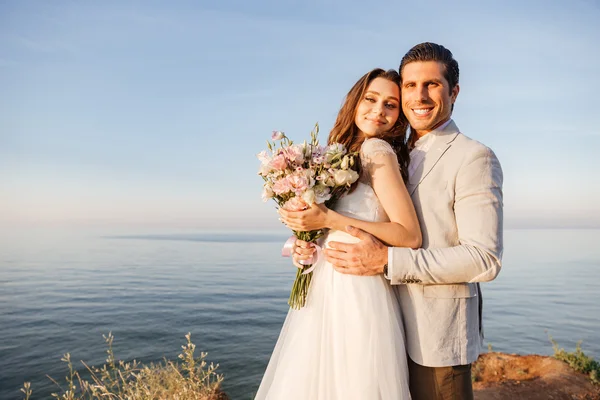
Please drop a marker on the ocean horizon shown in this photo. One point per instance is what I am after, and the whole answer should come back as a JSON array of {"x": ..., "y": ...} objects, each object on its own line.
[{"x": 63, "y": 290}]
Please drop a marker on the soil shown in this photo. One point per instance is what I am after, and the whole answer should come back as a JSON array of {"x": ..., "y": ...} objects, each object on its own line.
[{"x": 499, "y": 376}]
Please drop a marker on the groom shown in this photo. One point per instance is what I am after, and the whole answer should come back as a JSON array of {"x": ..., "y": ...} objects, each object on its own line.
[{"x": 456, "y": 186}]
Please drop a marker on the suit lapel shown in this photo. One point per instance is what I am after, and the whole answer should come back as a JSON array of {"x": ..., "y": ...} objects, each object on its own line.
[{"x": 442, "y": 144}]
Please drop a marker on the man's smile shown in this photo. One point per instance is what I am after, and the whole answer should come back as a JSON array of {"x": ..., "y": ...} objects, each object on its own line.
[{"x": 422, "y": 111}]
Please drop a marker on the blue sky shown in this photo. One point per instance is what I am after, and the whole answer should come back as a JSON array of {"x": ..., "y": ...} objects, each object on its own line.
[{"x": 149, "y": 114}]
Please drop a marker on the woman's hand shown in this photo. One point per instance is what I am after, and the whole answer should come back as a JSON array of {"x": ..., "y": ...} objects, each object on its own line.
[
  {"x": 302, "y": 251},
  {"x": 314, "y": 218}
]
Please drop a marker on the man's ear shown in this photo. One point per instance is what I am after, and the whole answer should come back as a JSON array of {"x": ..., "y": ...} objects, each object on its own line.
[{"x": 454, "y": 92}]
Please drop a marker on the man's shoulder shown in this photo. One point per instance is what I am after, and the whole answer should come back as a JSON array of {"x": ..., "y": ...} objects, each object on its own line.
[
  {"x": 471, "y": 155},
  {"x": 468, "y": 142},
  {"x": 470, "y": 147}
]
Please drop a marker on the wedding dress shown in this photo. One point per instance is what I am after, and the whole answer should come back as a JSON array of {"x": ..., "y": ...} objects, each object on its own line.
[{"x": 348, "y": 341}]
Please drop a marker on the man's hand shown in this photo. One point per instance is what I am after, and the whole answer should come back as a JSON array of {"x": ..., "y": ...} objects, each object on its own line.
[
  {"x": 366, "y": 257},
  {"x": 310, "y": 219},
  {"x": 302, "y": 251}
]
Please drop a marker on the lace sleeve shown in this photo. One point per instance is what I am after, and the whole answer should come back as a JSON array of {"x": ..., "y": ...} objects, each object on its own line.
[
  {"x": 373, "y": 147},
  {"x": 375, "y": 152}
]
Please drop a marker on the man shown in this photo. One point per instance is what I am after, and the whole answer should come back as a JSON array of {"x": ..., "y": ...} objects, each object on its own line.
[{"x": 456, "y": 187}]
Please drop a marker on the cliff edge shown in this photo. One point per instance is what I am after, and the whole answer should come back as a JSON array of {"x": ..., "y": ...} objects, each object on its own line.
[{"x": 499, "y": 376}]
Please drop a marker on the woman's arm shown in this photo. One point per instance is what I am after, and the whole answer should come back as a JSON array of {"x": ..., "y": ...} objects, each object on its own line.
[{"x": 403, "y": 229}]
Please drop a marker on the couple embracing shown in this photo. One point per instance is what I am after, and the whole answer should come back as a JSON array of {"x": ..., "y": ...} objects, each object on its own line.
[{"x": 394, "y": 310}]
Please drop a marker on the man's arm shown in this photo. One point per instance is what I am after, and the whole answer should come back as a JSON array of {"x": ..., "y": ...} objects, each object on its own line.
[{"x": 478, "y": 212}]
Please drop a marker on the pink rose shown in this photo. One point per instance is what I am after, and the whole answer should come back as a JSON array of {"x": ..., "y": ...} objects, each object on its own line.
[
  {"x": 299, "y": 183},
  {"x": 295, "y": 204},
  {"x": 282, "y": 186},
  {"x": 278, "y": 163},
  {"x": 294, "y": 153}
]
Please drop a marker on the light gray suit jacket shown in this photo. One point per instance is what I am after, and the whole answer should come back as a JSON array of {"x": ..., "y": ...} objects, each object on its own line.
[{"x": 457, "y": 193}]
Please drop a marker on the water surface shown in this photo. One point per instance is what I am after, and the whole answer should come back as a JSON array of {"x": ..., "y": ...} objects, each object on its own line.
[{"x": 61, "y": 291}]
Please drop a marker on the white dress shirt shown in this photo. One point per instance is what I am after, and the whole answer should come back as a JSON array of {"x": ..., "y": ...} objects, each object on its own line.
[{"x": 422, "y": 146}]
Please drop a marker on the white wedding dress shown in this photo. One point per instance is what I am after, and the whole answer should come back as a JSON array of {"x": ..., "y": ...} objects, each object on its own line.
[{"x": 348, "y": 341}]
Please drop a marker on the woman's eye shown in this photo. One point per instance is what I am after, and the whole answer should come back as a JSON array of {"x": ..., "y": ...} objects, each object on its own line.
[
  {"x": 370, "y": 99},
  {"x": 390, "y": 106}
]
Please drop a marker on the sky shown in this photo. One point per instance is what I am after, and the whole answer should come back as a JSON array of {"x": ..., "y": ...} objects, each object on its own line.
[{"x": 149, "y": 114}]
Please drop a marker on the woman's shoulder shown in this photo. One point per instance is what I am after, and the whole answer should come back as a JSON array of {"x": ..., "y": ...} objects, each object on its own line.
[{"x": 375, "y": 146}]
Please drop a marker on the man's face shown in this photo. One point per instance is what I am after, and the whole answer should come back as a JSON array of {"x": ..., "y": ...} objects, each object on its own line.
[{"x": 426, "y": 96}]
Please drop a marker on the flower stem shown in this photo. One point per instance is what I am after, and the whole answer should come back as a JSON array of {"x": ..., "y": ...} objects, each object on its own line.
[{"x": 299, "y": 291}]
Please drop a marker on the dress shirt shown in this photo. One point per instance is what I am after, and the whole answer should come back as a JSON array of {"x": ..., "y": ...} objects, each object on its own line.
[{"x": 422, "y": 146}]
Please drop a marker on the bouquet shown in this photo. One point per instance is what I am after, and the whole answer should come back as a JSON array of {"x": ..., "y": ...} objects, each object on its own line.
[{"x": 299, "y": 175}]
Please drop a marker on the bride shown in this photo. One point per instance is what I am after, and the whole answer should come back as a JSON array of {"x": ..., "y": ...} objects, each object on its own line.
[{"x": 348, "y": 341}]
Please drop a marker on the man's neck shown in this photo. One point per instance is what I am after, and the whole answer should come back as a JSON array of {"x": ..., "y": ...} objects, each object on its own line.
[{"x": 422, "y": 133}]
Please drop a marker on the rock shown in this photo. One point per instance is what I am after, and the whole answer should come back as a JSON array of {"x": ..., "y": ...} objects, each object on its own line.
[{"x": 498, "y": 376}]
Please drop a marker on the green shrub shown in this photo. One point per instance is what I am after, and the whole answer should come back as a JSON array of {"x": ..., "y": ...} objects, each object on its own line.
[{"x": 578, "y": 361}]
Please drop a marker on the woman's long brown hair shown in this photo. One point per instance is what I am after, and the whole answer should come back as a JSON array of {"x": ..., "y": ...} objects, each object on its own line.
[{"x": 347, "y": 133}]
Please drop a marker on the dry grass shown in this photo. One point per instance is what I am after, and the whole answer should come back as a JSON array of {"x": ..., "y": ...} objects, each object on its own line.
[{"x": 190, "y": 379}]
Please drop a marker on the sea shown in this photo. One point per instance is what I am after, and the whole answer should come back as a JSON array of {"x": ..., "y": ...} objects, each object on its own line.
[{"x": 62, "y": 290}]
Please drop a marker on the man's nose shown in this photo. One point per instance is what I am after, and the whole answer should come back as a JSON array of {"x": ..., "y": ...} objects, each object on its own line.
[{"x": 423, "y": 93}]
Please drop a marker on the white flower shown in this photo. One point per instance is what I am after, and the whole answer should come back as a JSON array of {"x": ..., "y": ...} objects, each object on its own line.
[
  {"x": 326, "y": 178},
  {"x": 336, "y": 148},
  {"x": 345, "y": 177},
  {"x": 264, "y": 157},
  {"x": 267, "y": 193},
  {"x": 309, "y": 197},
  {"x": 322, "y": 193},
  {"x": 345, "y": 162},
  {"x": 277, "y": 135},
  {"x": 264, "y": 170},
  {"x": 309, "y": 174}
]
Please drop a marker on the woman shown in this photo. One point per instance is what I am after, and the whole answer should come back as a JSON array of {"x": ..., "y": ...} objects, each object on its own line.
[{"x": 348, "y": 341}]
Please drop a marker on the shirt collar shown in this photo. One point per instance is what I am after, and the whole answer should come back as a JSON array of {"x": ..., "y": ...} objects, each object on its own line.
[{"x": 425, "y": 141}]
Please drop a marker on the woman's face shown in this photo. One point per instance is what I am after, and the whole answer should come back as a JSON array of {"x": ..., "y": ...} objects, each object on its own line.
[{"x": 379, "y": 108}]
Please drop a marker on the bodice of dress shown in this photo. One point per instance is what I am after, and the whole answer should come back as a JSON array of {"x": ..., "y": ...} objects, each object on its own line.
[{"x": 362, "y": 203}]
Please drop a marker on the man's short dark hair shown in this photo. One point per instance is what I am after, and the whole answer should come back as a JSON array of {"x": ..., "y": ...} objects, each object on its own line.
[{"x": 433, "y": 52}]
